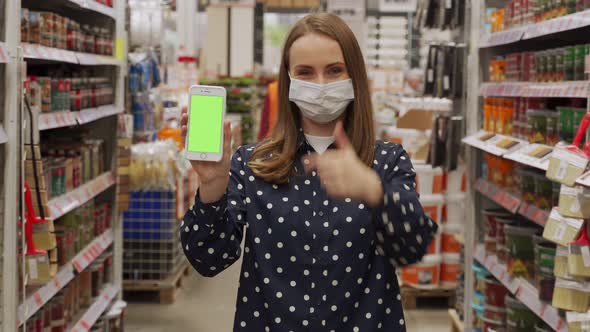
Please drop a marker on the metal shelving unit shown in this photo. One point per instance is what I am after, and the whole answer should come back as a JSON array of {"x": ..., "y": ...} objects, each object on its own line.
[
  {"x": 101, "y": 122},
  {"x": 552, "y": 33}
]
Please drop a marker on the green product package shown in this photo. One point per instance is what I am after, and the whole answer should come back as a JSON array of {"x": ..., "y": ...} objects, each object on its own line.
[
  {"x": 580, "y": 62},
  {"x": 569, "y": 58},
  {"x": 566, "y": 123}
]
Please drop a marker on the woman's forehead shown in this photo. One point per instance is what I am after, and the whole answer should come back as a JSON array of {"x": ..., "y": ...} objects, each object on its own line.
[{"x": 315, "y": 50}]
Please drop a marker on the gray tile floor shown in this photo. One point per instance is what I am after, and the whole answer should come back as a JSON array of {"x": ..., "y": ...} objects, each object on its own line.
[{"x": 207, "y": 305}]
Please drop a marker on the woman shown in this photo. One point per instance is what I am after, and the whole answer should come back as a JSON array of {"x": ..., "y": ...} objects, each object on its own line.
[{"x": 329, "y": 212}]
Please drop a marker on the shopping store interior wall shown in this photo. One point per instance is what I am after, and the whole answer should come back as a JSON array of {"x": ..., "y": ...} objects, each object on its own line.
[{"x": 487, "y": 97}]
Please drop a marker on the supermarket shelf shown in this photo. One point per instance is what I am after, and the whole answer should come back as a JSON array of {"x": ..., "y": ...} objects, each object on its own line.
[
  {"x": 69, "y": 201},
  {"x": 503, "y": 198},
  {"x": 40, "y": 52},
  {"x": 526, "y": 156},
  {"x": 3, "y": 137},
  {"x": 523, "y": 152},
  {"x": 42, "y": 295},
  {"x": 96, "y": 309},
  {"x": 570, "y": 89},
  {"x": 511, "y": 202},
  {"x": 95, "y": 6},
  {"x": 523, "y": 291},
  {"x": 502, "y": 38},
  {"x": 533, "y": 213},
  {"x": 556, "y": 25},
  {"x": 93, "y": 114},
  {"x": 498, "y": 145},
  {"x": 54, "y": 120}
]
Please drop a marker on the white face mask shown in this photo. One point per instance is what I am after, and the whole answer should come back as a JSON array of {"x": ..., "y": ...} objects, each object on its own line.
[{"x": 321, "y": 103}]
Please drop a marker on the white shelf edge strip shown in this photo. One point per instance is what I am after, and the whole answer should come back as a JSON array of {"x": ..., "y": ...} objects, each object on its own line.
[
  {"x": 97, "y": 7},
  {"x": 522, "y": 289},
  {"x": 518, "y": 154},
  {"x": 556, "y": 25},
  {"x": 96, "y": 309},
  {"x": 67, "y": 202},
  {"x": 519, "y": 157},
  {"x": 569, "y": 89},
  {"x": 93, "y": 114},
  {"x": 41, "y": 296},
  {"x": 35, "y": 51},
  {"x": 3, "y": 137},
  {"x": 52, "y": 120}
]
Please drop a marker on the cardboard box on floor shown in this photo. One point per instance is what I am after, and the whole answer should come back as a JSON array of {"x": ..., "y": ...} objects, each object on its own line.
[{"x": 418, "y": 120}]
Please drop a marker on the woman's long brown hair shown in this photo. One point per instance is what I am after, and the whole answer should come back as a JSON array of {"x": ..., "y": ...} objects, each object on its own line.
[{"x": 273, "y": 160}]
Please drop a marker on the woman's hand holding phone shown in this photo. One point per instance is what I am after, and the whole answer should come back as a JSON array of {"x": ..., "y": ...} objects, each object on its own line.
[{"x": 213, "y": 175}]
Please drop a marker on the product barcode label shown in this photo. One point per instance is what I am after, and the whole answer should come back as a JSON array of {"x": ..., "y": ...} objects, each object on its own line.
[
  {"x": 430, "y": 75},
  {"x": 561, "y": 171},
  {"x": 446, "y": 83},
  {"x": 560, "y": 231},
  {"x": 33, "y": 268},
  {"x": 575, "y": 207},
  {"x": 449, "y": 4},
  {"x": 586, "y": 255}
]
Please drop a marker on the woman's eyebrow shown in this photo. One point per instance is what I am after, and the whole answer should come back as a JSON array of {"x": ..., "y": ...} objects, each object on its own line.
[
  {"x": 335, "y": 64},
  {"x": 303, "y": 67}
]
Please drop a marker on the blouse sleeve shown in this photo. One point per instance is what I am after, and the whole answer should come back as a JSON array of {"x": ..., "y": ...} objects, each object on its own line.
[
  {"x": 403, "y": 230},
  {"x": 211, "y": 234}
]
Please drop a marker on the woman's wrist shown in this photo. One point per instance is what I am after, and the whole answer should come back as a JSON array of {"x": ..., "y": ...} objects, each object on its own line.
[{"x": 212, "y": 192}]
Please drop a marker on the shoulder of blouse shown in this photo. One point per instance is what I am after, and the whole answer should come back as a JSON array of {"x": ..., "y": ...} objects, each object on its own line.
[{"x": 387, "y": 146}]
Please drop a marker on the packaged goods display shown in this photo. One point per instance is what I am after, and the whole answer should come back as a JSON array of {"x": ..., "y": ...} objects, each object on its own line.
[
  {"x": 62, "y": 311},
  {"x": 57, "y": 31},
  {"x": 517, "y": 13},
  {"x": 553, "y": 65},
  {"x": 69, "y": 165},
  {"x": 53, "y": 93},
  {"x": 536, "y": 120}
]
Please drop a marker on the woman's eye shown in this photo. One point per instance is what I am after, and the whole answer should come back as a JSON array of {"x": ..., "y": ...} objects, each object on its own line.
[
  {"x": 304, "y": 73},
  {"x": 335, "y": 71}
]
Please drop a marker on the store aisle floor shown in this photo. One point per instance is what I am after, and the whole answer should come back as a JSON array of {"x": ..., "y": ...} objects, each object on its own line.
[{"x": 207, "y": 305}]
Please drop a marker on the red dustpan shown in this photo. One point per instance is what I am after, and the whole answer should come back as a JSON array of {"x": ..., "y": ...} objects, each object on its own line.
[
  {"x": 569, "y": 162},
  {"x": 31, "y": 219}
]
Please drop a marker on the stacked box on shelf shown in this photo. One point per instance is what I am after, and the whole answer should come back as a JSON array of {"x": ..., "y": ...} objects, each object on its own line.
[
  {"x": 151, "y": 241},
  {"x": 123, "y": 163}
]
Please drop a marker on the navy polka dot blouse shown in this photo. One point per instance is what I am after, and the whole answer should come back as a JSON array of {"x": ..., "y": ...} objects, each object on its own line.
[{"x": 312, "y": 263}]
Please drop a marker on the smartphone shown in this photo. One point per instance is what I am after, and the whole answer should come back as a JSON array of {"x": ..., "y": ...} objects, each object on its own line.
[{"x": 206, "y": 113}]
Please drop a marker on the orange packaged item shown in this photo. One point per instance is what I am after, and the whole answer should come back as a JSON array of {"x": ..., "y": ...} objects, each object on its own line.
[
  {"x": 425, "y": 274},
  {"x": 434, "y": 248},
  {"x": 488, "y": 124},
  {"x": 450, "y": 269},
  {"x": 449, "y": 244},
  {"x": 429, "y": 180},
  {"x": 502, "y": 173},
  {"x": 432, "y": 206}
]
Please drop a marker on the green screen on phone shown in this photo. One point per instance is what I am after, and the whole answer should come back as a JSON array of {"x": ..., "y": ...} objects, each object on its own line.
[{"x": 205, "y": 124}]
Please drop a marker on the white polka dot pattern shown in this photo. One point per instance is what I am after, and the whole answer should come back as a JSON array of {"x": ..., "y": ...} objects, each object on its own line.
[{"x": 311, "y": 262}]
